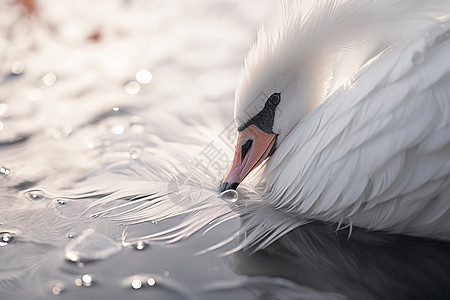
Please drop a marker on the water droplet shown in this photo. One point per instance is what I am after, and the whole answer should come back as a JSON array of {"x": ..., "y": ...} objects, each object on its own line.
[
  {"x": 144, "y": 76},
  {"x": 48, "y": 79},
  {"x": 36, "y": 195},
  {"x": 115, "y": 108},
  {"x": 229, "y": 196},
  {"x": 17, "y": 68},
  {"x": 90, "y": 246},
  {"x": 86, "y": 280},
  {"x": 34, "y": 94},
  {"x": 140, "y": 245},
  {"x": 135, "y": 153},
  {"x": 151, "y": 281},
  {"x": 417, "y": 57},
  {"x": 117, "y": 129},
  {"x": 136, "y": 284},
  {"x": 57, "y": 288},
  {"x": 132, "y": 87},
  {"x": 4, "y": 171},
  {"x": 5, "y": 238}
]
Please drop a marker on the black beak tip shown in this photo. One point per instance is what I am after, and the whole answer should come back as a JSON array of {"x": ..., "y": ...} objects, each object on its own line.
[{"x": 228, "y": 186}]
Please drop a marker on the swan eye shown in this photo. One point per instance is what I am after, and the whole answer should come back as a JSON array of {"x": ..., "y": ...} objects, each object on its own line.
[{"x": 274, "y": 99}]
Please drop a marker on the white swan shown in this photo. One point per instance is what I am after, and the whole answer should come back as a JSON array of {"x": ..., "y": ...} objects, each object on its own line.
[{"x": 350, "y": 100}]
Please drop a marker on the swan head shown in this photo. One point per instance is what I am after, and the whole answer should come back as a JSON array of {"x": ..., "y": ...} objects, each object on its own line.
[
  {"x": 270, "y": 100},
  {"x": 281, "y": 81}
]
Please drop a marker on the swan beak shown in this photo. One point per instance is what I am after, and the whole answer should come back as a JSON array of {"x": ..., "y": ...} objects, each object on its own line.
[{"x": 253, "y": 146}]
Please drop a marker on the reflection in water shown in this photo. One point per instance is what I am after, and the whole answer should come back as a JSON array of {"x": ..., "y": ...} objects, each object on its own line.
[{"x": 366, "y": 265}]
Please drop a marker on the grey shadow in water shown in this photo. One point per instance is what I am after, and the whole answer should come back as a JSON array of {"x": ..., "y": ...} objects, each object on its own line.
[{"x": 366, "y": 265}]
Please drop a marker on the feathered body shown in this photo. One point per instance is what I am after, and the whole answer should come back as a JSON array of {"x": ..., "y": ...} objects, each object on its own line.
[
  {"x": 370, "y": 87},
  {"x": 365, "y": 88}
]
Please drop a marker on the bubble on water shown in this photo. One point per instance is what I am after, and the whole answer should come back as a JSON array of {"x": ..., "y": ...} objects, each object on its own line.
[
  {"x": 140, "y": 245},
  {"x": 34, "y": 94},
  {"x": 86, "y": 280},
  {"x": 117, "y": 129},
  {"x": 61, "y": 202},
  {"x": 166, "y": 273},
  {"x": 57, "y": 288},
  {"x": 417, "y": 57},
  {"x": 132, "y": 87},
  {"x": 136, "y": 284},
  {"x": 144, "y": 76},
  {"x": 135, "y": 153},
  {"x": 36, "y": 195},
  {"x": 6, "y": 238},
  {"x": 17, "y": 68},
  {"x": 229, "y": 196},
  {"x": 151, "y": 281},
  {"x": 71, "y": 235},
  {"x": 48, "y": 79},
  {"x": 90, "y": 246},
  {"x": 2, "y": 125},
  {"x": 4, "y": 171},
  {"x": 115, "y": 108}
]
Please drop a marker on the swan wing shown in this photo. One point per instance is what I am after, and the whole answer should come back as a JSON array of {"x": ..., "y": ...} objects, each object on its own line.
[{"x": 376, "y": 152}]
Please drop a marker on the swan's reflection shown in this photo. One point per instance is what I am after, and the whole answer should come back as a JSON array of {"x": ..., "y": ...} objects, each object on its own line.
[{"x": 367, "y": 265}]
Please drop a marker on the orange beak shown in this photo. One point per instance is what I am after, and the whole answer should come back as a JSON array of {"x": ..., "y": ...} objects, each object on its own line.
[{"x": 252, "y": 148}]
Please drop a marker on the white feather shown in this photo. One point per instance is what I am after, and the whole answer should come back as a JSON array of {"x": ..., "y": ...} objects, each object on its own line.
[{"x": 376, "y": 152}]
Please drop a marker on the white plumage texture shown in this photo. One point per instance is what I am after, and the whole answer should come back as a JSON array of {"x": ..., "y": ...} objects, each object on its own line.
[
  {"x": 376, "y": 152},
  {"x": 366, "y": 142}
]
